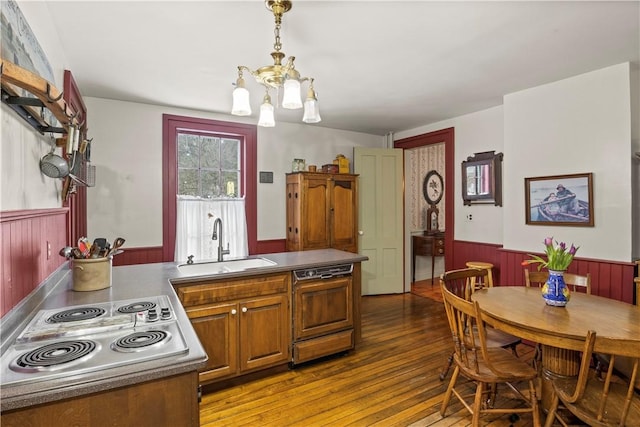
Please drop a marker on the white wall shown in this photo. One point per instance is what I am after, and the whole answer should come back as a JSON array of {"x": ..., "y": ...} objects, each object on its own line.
[
  {"x": 127, "y": 153},
  {"x": 580, "y": 124},
  {"x": 635, "y": 170},
  {"x": 22, "y": 184},
  {"x": 577, "y": 125},
  {"x": 474, "y": 133}
]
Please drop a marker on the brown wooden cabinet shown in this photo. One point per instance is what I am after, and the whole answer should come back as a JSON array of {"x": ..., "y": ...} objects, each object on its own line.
[
  {"x": 171, "y": 401},
  {"x": 323, "y": 320},
  {"x": 427, "y": 245},
  {"x": 322, "y": 211},
  {"x": 243, "y": 324}
]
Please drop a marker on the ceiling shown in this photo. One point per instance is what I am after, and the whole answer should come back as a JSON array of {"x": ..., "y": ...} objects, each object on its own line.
[{"x": 379, "y": 66}]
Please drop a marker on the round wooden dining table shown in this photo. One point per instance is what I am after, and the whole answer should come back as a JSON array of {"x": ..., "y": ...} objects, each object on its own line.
[{"x": 522, "y": 312}]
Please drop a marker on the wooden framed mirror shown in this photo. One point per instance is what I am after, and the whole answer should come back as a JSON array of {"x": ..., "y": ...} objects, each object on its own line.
[{"x": 482, "y": 179}]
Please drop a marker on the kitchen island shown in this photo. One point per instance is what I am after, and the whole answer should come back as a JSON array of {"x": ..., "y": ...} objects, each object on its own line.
[{"x": 121, "y": 390}]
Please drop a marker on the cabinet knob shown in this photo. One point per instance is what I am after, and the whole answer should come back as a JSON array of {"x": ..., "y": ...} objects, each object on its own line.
[
  {"x": 360, "y": 233},
  {"x": 234, "y": 311},
  {"x": 244, "y": 309}
]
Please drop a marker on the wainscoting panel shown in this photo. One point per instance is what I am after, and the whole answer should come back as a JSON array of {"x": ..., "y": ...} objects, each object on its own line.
[
  {"x": 610, "y": 279},
  {"x": 31, "y": 241},
  {"x": 145, "y": 255},
  {"x": 474, "y": 251},
  {"x": 270, "y": 246}
]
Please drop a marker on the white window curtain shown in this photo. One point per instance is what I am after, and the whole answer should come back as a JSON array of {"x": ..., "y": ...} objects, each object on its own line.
[{"x": 194, "y": 228}]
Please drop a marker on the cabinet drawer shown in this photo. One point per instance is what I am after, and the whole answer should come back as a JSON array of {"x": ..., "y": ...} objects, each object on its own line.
[
  {"x": 226, "y": 290},
  {"x": 422, "y": 246},
  {"x": 322, "y": 346}
]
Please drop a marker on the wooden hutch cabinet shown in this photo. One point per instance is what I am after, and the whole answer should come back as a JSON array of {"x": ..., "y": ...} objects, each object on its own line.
[{"x": 322, "y": 211}]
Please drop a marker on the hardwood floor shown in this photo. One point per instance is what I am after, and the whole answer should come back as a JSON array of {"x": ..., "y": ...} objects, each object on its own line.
[{"x": 391, "y": 379}]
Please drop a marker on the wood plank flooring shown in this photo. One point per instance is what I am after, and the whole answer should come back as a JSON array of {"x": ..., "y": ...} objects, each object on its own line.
[{"x": 391, "y": 379}]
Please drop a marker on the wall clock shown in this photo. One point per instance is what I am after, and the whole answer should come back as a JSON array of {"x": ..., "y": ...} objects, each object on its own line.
[{"x": 433, "y": 187}]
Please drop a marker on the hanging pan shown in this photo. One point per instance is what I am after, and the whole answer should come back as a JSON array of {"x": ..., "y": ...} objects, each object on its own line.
[{"x": 54, "y": 166}]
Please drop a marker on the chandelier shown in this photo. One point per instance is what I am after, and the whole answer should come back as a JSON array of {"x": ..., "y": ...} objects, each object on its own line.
[{"x": 276, "y": 76}]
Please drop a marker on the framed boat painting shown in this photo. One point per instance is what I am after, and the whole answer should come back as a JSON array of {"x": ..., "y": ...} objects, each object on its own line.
[{"x": 559, "y": 200}]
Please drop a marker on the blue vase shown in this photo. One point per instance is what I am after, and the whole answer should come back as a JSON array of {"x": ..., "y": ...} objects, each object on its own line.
[{"x": 555, "y": 292}]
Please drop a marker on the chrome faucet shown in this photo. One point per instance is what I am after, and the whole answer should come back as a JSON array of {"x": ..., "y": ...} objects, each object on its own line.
[{"x": 217, "y": 225}]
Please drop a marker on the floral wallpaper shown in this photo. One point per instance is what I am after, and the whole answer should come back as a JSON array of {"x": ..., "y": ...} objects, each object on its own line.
[{"x": 421, "y": 161}]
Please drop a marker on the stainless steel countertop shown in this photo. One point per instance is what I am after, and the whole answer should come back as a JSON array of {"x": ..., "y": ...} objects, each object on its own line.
[{"x": 129, "y": 282}]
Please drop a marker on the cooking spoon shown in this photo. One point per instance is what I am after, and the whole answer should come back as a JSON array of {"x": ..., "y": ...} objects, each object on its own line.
[{"x": 116, "y": 245}]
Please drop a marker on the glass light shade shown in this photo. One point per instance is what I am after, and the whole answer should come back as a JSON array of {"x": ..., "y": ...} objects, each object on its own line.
[
  {"x": 241, "y": 106},
  {"x": 266, "y": 115},
  {"x": 311, "y": 111},
  {"x": 291, "y": 98}
]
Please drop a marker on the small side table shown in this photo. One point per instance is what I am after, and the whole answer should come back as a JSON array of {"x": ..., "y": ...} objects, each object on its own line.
[{"x": 426, "y": 245}]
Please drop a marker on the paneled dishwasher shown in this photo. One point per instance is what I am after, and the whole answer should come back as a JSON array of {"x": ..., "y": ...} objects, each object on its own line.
[{"x": 323, "y": 310}]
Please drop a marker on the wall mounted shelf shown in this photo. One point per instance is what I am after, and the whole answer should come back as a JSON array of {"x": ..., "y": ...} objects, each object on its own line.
[{"x": 45, "y": 96}]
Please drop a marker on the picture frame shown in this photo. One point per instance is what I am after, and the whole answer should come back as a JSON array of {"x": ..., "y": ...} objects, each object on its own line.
[{"x": 559, "y": 200}]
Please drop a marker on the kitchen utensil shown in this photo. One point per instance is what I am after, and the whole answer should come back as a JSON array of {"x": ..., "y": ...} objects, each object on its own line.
[
  {"x": 116, "y": 245},
  {"x": 66, "y": 252},
  {"x": 94, "y": 252},
  {"x": 101, "y": 242},
  {"x": 76, "y": 253},
  {"x": 84, "y": 246},
  {"x": 54, "y": 166}
]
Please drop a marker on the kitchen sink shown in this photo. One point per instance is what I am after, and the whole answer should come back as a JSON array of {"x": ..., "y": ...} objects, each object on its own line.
[{"x": 218, "y": 267}]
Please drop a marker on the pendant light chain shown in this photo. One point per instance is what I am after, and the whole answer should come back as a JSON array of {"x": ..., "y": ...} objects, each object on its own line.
[{"x": 277, "y": 45}]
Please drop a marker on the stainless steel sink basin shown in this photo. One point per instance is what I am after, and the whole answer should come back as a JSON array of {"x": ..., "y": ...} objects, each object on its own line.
[{"x": 209, "y": 268}]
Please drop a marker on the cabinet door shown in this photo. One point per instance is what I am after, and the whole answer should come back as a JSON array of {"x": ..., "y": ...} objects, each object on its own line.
[
  {"x": 322, "y": 307},
  {"x": 315, "y": 213},
  {"x": 217, "y": 329},
  {"x": 265, "y": 332},
  {"x": 344, "y": 214}
]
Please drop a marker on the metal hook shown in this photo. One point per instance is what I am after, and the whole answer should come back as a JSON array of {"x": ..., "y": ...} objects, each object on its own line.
[
  {"x": 71, "y": 117},
  {"x": 49, "y": 98}
]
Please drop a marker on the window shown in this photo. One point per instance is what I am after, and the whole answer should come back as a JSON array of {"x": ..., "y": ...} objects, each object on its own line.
[
  {"x": 245, "y": 171},
  {"x": 208, "y": 166}
]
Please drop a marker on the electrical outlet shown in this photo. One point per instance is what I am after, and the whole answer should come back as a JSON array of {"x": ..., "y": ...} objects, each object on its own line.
[{"x": 48, "y": 249}]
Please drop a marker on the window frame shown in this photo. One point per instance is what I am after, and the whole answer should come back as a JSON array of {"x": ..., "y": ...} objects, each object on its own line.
[{"x": 171, "y": 125}]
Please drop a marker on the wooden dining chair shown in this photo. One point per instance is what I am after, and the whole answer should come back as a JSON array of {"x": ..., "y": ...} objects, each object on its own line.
[
  {"x": 484, "y": 365},
  {"x": 463, "y": 283},
  {"x": 622, "y": 366},
  {"x": 576, "y": 283},
  {"x": 604, "y": 402}
]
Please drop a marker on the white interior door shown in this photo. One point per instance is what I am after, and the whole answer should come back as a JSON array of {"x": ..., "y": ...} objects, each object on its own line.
[{"x": 380, "y": 218}]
